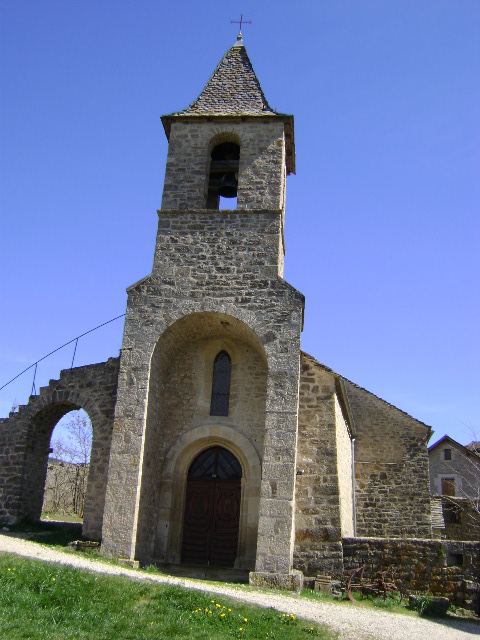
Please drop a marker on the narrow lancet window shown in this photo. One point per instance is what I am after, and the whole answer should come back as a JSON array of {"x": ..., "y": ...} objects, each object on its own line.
[{"x": 222, "y": 372}]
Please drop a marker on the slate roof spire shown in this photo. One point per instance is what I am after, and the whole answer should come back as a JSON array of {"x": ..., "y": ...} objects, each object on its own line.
[{"x": 233, "y": 88}]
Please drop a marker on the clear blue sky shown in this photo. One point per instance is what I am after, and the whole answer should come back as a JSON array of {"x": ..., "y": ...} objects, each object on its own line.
[{"x": 382, "y": 227}]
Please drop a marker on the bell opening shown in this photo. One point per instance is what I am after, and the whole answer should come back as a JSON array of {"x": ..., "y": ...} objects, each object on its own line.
[{"x": 223, "y": 178}]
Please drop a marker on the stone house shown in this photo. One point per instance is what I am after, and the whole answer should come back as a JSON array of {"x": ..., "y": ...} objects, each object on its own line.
[
  {"x": 216, "y": 440},
  {"x": 455, "y": 488}
]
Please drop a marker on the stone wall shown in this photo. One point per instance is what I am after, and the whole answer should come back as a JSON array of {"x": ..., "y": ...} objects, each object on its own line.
[
  {"x": 443, "y": 568},
  {"x": 391, "y": 469},
  {"x": 261, "y": 178},
  {"x": 345, "y": 470},
  {"x": 25, "y": 440},
  {"x": 462, "y": 519},
  {"x": 318, "y": 526}
]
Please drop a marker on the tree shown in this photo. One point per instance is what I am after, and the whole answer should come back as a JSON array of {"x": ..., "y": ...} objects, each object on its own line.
[{"x": 68, "y": 467}]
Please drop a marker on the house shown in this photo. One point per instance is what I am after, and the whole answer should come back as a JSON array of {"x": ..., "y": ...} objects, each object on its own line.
[{"x": 455, "y": 487}]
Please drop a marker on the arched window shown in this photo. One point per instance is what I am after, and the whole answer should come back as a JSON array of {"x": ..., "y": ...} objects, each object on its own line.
[
  {"x": 223, "y": 179},
  {"x": 222, "y": 372}
]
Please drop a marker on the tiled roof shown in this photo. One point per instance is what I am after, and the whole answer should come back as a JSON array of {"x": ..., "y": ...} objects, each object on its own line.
[{"x": 232, "y": 90}]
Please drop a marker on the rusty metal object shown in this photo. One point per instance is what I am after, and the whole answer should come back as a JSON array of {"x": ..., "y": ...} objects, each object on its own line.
[{"x": 383, "y": 585}]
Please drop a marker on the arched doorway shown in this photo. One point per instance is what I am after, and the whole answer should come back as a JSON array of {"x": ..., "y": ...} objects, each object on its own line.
[{"x": 212, "y": 509}]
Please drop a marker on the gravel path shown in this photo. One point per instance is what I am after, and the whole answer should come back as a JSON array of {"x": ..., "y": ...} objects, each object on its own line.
[{"x": 351, "y": 623}]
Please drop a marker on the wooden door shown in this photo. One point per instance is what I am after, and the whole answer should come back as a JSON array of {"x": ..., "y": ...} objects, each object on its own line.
[{"x": 212, "y": 513}]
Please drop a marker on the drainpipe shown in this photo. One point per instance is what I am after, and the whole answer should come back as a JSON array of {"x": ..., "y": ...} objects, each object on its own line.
[{"x": 353, "y": 491}]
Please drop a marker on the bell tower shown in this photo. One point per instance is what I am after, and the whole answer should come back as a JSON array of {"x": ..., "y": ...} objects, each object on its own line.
[{"x": 216, "y": 289}]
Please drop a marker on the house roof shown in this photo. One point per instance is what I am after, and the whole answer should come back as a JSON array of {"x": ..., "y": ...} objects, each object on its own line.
[
  {"x": 233, "y": 90},
  {"x": 448, "y": 440}
]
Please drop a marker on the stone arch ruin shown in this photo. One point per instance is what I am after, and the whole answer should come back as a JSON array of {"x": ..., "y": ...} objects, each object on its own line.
[{"x": 25, "y": 438}]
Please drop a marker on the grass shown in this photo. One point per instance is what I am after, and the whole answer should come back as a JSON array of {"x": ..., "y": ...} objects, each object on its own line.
[
  {"x": 392, "y": 604},
  {"x": 61, "y": 517},
  {"x": 44, "y": 601}
]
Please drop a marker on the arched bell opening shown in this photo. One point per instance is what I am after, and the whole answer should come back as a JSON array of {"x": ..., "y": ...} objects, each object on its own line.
[
  {"x": 223, "y": 177},
  {"x": 212, "y": 509}
]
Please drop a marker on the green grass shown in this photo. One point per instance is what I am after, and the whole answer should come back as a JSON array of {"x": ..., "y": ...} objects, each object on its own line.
[
  {"x": 41, "y": 601},
  {"x": 62, "y": 517},
  {"x": 392, "y": 604}
]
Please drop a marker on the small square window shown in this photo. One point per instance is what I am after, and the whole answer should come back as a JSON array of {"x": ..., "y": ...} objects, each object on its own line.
[{"x": 447, "y": 454}]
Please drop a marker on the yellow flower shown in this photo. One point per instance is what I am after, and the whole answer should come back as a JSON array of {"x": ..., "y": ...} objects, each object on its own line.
[
  {"x": 241, "y": 629},
  {"x": 229, "y": 611},
  {"x": 218, "y": 606},
  {"x": 210, "y": 612},
  {"x": 9, "y": 569},
  {"x": 283, "y": 615},
  {"x": 151, "y": 623},
  {"x": 245, "y": 620},
  {"x": 212, "y": 601},
  {"x": 53, "y": 579},
  {"x": 292, "y": 616},
  {"x": 222, "y": 616},
  {"x": 206, "y": 610}
]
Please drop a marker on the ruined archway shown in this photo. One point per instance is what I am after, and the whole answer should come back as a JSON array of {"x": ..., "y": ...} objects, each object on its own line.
[{"x": 26, "y": 435}]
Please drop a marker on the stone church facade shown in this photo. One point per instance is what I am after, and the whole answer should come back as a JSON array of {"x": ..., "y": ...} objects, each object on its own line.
[{"x": 216, "y": 440}]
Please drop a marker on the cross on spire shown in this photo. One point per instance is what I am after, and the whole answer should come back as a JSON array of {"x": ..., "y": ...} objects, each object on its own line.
[{"x": 240, "y": 22}]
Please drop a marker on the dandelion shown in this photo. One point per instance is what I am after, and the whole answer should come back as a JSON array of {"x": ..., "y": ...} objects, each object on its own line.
[
  {"x": 206, "y": 610},
  {"x": 9, "y": 569},
  {"x": 210, "y": 612},
  {"x": 212, "y": 601},
  {"x": 292, "y": 616},
  {"x": 218, "y": 606},
  {"x": 245, "y": 620},
  {"x": 241, "y": 629},
  {"x": 222, "y": 616},
  {"x": 229, "y": 611},
  {"x": 53, "y": 579},
  {"x": 151, "y": 624},
  {"x": 283, "y": 615}
]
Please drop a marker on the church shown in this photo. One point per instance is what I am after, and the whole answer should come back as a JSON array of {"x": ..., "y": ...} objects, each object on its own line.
[{"x": 217, "y": 442}]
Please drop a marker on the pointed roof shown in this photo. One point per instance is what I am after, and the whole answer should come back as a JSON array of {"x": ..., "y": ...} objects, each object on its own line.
[{"x": 233, "y": 90}]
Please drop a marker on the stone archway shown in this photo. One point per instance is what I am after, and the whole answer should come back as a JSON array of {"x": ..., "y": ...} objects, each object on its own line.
[
  {"x": 173, "y": 489},
  {"x": 28, "y": 432},
  {"x": 179, "y": 403}
]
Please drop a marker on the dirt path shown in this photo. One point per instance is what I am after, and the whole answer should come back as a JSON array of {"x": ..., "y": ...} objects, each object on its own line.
[{"x": 351, "y": 623}]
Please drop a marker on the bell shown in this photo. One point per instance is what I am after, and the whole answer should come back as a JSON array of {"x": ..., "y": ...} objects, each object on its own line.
[{"x": 228, "y": 186}]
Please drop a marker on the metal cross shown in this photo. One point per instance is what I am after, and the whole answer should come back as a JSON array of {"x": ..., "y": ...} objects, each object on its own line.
[{"x": 240, "y": 22}]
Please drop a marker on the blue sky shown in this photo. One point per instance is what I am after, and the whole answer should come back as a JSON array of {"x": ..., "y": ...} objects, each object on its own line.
[{"x": 382, "y": 226}]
